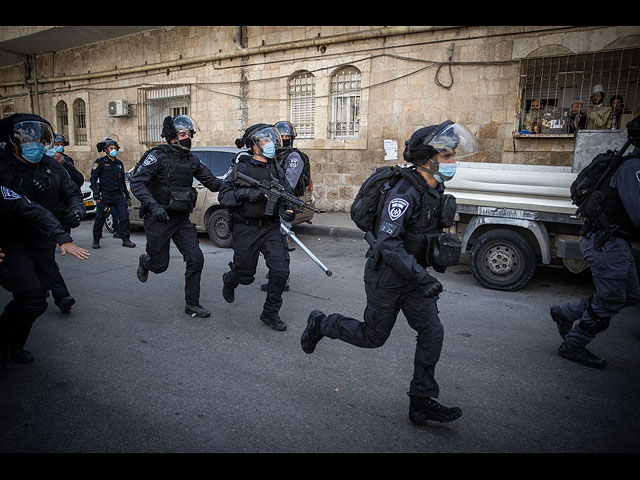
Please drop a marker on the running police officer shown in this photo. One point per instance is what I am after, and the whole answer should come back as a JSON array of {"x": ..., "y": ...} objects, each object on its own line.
[
  {"x": 398, "y": 280},
  {"x": 256, "y": 231},
  {"x": 164, "y": 185},
  {"x": 110, "y": 190},
  {"x": 59, "y": 291},
  {"x": 30, "y": 266},
  {"x": 613, "y": 268}
]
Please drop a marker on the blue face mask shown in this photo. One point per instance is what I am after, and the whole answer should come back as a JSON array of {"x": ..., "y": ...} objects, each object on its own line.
[
  {"x": 448, "y": 170},
  {"x": 60, "y": 149},
  {"x": 50, "y": 151},
  {"x": 32, "y": 151},
  {"x": 269, "y": 150},
  {"x": 113, "y": 153}
]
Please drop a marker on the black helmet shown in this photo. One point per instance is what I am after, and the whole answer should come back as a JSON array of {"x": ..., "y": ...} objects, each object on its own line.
[
  {"x": 180, "y": 123},
  {"x": 22, "y": 129},
  {"x": 286, "y": 128},
  {"x": 59, "y": 138},
  {"x": 111, "y": 139},
  {"x": 257, "y": 132}
]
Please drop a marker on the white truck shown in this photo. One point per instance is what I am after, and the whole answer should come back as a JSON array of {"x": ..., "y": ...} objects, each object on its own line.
[{"x": 512, "y": 217}]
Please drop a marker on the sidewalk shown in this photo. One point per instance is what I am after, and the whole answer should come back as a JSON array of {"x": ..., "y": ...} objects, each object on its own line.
[{"x": 332, "y": 224}]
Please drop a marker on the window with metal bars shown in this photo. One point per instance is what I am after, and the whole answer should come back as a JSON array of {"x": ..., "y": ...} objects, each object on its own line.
[
  {"x": 558, "y": 94},
  {"x": 345, "y": 103},
  {"x": 79, "y": 122},
  {"x": 62, "y": 118},
  {"x": 157, "y": 102},
  {"x": 302, "y": 104}
]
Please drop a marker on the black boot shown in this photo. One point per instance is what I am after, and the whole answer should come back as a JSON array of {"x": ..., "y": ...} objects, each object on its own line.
[
  {"x": 422, "y": 409},
  {"x": 65, "y": 303},
  {"x": 581, "y": 355},
  {"x": 142, "y": 273},
  {"x": 273, "y": 320},
  {"x": 197, "y": 311},
  {"x": 311, "y": 335},
  {"x": 228, "y": 293},
  {"x": 564, "y": 323},
  {"x": 128, "y": 244},
  {"x": 96, "y": 244}
]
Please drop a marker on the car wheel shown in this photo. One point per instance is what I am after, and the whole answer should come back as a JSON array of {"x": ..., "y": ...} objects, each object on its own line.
[
  {"x": 108, "y": 222},
  {"x": 502, "y": 260},
  {"x": 219, "y": 229}
]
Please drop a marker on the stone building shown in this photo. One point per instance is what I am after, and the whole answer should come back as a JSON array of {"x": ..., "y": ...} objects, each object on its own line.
[{"x": 354, "y": 93}]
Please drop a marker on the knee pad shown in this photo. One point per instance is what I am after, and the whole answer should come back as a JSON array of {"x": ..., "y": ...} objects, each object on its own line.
[
  {"x": 242, "y": 277},
  {"x": 600, "y": 323}
]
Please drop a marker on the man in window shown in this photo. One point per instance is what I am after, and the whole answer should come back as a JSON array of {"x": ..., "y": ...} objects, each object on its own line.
[
  {"x": 533, "y": 118},
  {"x": 577, "y": 117},
  {"x": 598, "y": 114}
]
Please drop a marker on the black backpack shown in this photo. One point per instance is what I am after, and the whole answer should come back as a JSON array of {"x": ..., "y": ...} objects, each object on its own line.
[{"x": 370, "y": 197}]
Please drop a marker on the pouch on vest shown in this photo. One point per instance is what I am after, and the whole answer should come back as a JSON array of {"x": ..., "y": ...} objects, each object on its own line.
[
  {"x": 448, "y": 207},
  {"x": 445, "y": 251},
  {"x": 182, "y": 199}
]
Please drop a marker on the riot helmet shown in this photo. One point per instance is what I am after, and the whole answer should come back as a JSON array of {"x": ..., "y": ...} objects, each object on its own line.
[
  {"x": 286, "y": 128},
  {"x": 59, "y": 138},
  {"x": 173, "y": 127},
  {"x": 109, "y": 140},
  {"x": 29, "y": 134},
  {"x": 264, "y": 137}
]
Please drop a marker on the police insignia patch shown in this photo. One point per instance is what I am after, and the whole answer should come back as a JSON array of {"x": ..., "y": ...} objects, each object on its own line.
[
  {"x": 149, "y": 160},
  {"x": 293, "y": 163},
  {"x": 9, "y": 194},
  {"x": 397, "y": 207}
]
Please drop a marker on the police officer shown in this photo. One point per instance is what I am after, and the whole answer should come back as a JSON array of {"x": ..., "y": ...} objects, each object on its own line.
[
  {"x": 163, "y": 184},
  {"x": 110, "y": 190},
  {"x": 397, "y": 280},
  {"x": 255, "y": 230},
  {"x": 61, "y": 296},
  {"x": 613, "y": 267},
  {"x": 29, "y": 265},
  {"x": 289, "y": 159}
]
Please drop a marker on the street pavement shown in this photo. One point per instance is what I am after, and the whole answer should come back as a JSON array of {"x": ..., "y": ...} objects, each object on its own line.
[{"x": 127, "y": 371}]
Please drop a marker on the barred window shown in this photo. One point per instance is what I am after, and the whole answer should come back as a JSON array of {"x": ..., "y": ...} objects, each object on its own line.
[
  {"x": 156, "y": 103},
  {"x": 79, "y": 122},
  {"x": 345, "y": 103},
  {"x": 302, "y": 103},
  {"x": 8, "y": 110},
  {"x": 559, "y": 84},
  {"x": 62, "y": 118}
]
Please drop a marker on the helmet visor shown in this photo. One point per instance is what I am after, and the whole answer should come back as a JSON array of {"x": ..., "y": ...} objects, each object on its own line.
[
  {"x": 455, "y": 138},
  {"x": 267, "y": 135},
  {"x": 32, "y": 131},
  {"x": 286, "y": 128},
  {"x": 185, "y": 124}
]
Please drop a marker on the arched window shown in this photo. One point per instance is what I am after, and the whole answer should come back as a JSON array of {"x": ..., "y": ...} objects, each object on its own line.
[
  {"x": 79, "y": 122},
  {"x": 345, "y": 103},
  {"x": 302, "y": 103},
  {"x": 62, "y": 118}
]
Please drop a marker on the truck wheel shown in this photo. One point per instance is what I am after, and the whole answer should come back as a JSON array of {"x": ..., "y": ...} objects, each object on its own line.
[
  {"x": 108, "y": 222},
  {"x": 502, "y": 260},
  {"x": 219, "y": 229}
]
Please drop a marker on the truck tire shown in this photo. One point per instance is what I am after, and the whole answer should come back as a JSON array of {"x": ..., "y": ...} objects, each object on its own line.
[
  {"x": 219, "y": 229},
  {"x": 502, "y": 259}
]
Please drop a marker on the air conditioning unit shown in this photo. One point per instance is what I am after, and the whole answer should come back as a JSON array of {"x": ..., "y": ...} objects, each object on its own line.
[{"x": 118, "y": 108}]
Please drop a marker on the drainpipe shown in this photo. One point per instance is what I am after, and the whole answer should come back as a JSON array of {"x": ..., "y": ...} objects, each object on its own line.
[
  {"x": 35, "y": 83},
  {"x": 246, "y": 52}
]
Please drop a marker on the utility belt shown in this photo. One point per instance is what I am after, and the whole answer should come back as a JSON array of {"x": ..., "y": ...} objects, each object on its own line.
[{"x": 254, "y": 222}]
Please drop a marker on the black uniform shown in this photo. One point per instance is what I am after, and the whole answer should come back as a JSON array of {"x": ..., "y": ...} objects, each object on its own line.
[
  {"x": 394, "y": 280},
  {"x": 29, "y": 267},
  {"x": 164, "y": 181},
  {"x": 254, "y": 232},
  {"x": 108, "y": 185}
]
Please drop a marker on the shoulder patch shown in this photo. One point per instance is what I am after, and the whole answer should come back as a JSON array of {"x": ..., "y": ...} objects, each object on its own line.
[
  {"x": 9, "y": 194},
  {"x": 149, "y": 160},
  {"x": 95, "y": 165},
  {"x": 397, "y": 207}
]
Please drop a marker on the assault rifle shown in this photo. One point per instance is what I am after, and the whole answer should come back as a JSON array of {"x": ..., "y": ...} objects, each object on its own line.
[{"x": 274, "y": 192}]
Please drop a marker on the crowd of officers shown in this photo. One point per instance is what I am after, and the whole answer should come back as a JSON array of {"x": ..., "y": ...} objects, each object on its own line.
[{"x": 41, "y": 203}]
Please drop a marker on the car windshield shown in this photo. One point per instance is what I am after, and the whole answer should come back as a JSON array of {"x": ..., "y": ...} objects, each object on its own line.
[{"x": 218, "y": 162}]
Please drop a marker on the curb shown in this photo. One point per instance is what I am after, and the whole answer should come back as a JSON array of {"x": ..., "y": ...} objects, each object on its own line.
[{"x": 328, "y": 231}]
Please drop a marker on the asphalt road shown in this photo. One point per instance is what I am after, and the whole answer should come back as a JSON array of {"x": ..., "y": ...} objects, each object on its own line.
[{"x": 128, "y": 371}]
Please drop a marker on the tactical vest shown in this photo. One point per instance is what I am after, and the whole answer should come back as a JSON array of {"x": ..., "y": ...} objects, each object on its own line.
[
  {"x": 260, "y": 173},
  {"x": 613, "y": 209},
  {"x": 175, "y": 191}
]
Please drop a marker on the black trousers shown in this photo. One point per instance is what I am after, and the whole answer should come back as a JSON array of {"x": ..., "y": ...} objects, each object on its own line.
[
  {"x": 249, "y": 241},
  {"x": 185, "y": 237},
  {"x": 28, "y": 270},
  {"x": 119, "y": 202},
  {"x": 388, "y": 293}
]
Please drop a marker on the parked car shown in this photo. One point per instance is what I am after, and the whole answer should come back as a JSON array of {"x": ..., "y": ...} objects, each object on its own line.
[
  {"x": 208, "y": 215},
  {"x": 87, "y": 197}
]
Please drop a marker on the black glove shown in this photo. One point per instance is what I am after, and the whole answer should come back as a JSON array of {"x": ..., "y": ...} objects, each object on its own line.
[
  {"x": 160, "y": 214},
  {"x": 429, "y": 285},
  {"x": 287, "y": 216},
  {"x": 72, "y": 218},
  {"x": 35, "y": 186},
  {"x": 252, "y": 194}
]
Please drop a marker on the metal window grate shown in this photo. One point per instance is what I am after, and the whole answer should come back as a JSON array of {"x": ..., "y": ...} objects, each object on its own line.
[
  {"x": 557, "y": 81},
  {"x": 345, "y": 100},
  {"x": 302, "y": 101},
  {"x": 157, "y": 102},
  {"x": 62, "y": 118},
  {"x": 79, "y": 122}
]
